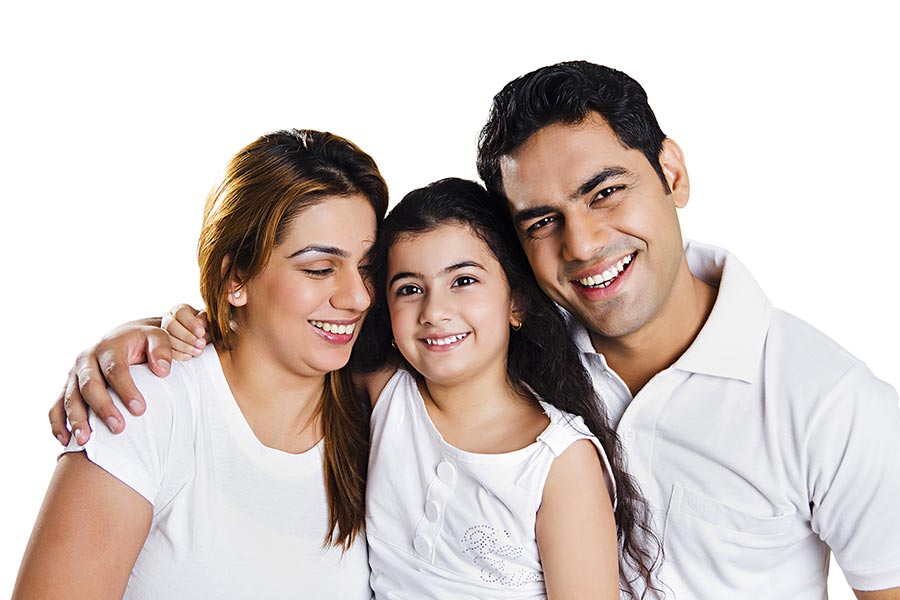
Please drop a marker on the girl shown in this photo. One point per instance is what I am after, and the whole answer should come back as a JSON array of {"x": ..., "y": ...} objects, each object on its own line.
[
  {"x": 245, "y": 478},
  {"x": 482, "y": 482}
]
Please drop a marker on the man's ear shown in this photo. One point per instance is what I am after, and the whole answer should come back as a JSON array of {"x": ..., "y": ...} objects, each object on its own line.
[
  {"x": 671, "y": 159},
  {"x": 237, "y": 292}
]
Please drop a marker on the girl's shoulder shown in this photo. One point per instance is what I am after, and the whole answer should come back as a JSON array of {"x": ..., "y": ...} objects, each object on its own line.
[{"x": 564, "y": 430}]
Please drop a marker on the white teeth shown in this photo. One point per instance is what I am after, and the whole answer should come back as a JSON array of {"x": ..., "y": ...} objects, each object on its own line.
[
  {"x": 334, "y": 327},
  {"x": 444, "y": 341},
  {"x": 606, "y": 277}
]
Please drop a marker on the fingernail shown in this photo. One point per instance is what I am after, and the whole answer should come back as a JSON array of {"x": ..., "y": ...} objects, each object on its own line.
[
  {"x": 77, "y": 434},
  {"x": 135, "y": 407},
  {"x": 60, "y": 438},
  {"x": 163, "y": 364},
  {"x": 113, "y": 424},
  {"x": 199, "y": 334},
  {"x": 200, "y": 343}
]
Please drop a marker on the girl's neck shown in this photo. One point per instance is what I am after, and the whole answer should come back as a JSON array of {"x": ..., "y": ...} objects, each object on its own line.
[
  {"x": 485, "y": 414},
  {"x": 280, "y": 406}
]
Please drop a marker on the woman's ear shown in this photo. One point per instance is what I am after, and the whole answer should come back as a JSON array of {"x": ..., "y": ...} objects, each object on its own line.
[{"x": 237, "y": 293}]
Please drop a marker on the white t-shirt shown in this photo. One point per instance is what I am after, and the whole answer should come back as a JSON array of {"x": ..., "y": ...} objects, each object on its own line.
[
  {"x": 761, "y": 447},
  {"x": 443, "y": 523},
  {"x": 231, "y": 518}
]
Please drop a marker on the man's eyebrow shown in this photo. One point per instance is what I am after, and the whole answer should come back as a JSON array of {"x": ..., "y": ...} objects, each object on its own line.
[
  {"x": 598, "y": 178},
  {"x": 593, "y": 181},
  {"x": 531, "y": 213},
  {"x": 446, "y": 271},
  {"x": 333, "y": 250}
]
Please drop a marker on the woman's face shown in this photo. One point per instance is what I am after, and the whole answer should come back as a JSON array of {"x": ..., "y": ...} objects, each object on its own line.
[{"x": 303, "y": 312}]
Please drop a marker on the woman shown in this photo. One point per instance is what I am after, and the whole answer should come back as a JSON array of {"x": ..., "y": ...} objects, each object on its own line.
[{"x": 246, "y": 476}]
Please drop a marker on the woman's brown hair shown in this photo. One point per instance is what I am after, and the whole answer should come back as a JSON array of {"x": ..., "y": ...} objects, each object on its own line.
[{"x": 266, "y": 185}]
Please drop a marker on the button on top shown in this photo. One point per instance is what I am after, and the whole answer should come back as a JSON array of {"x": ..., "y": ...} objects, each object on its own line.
[
  {"x": 446, "y": 472},
  {"x": 432, "y": 511},
  {"x": 629, "y": 435},
  {"x": 422, "y": 545}
]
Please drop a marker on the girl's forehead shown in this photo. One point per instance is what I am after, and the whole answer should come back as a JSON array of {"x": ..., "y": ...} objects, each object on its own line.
[{"x": 445, "y": 243}]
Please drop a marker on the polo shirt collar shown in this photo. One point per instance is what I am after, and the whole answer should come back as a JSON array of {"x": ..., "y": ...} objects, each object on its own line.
[{"x": 730, "y": 344}]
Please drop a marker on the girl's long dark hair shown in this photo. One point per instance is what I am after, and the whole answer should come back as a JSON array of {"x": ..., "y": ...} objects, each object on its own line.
[{"x": 541, "y": 354}]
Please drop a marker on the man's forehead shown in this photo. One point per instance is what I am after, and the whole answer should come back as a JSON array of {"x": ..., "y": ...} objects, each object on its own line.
[{"x": 559, "y": 159}]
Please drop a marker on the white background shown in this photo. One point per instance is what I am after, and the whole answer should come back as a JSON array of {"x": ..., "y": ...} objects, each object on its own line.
[{"x": 117, "y": 118}]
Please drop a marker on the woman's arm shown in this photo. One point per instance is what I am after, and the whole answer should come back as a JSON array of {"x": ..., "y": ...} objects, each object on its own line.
[
  {"x": 87, "y": 537},
  {"x": 576, "y": 529}
]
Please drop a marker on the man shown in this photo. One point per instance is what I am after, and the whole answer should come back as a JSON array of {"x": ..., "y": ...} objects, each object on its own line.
[{"x": 759, "y": 443}]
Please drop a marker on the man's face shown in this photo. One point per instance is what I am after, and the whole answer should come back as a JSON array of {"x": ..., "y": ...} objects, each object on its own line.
[{"x": 598, "y": 227}]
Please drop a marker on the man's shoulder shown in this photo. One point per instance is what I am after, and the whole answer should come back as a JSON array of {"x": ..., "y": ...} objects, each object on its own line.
[{"x": 800, "y": 357}]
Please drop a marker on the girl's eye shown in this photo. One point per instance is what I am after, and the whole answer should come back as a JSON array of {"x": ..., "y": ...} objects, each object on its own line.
[
  {"x": 408, "y": 290},
  {"x": 464, "y": 280}
]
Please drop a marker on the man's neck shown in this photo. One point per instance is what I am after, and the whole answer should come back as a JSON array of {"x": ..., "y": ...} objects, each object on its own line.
[{"x": 640, "y": 355}]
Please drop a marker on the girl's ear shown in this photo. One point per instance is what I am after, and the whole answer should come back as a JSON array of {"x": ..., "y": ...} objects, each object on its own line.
[
  {"x": 237, "y": 293},
  {"x": 516, "y": 315}
]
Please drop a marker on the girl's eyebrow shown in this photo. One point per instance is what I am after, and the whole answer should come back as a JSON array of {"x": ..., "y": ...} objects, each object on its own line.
[
  {"x": 333, "y": 250},
  {"x": 445, "y": 271}
]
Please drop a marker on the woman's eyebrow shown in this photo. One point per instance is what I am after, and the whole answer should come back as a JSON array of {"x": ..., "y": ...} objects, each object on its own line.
[{"x": 333, "y": 250}]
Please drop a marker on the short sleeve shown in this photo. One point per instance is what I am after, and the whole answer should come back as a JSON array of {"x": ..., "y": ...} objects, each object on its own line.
[
  {"x": 853, "y": 451},
  {"x": 152, "y": 454}
]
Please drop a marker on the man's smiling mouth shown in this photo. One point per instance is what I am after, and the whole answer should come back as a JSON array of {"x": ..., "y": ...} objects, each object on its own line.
[{"x": 607, "y": 277}]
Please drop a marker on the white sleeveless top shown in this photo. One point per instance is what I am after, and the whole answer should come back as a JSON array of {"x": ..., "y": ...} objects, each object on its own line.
[{"x": 447, "y": 524}]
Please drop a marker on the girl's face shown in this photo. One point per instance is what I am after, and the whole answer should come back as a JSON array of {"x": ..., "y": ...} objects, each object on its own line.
[
  {"x": 305, "y": 308},
  {"x": 450, "y": 304}
]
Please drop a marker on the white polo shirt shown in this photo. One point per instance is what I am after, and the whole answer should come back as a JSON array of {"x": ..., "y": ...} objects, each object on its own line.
[{"x": 761, "y": 447}]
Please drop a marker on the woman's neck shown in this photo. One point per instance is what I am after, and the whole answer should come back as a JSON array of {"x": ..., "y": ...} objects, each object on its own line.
[{"x": 280, "y": 406}]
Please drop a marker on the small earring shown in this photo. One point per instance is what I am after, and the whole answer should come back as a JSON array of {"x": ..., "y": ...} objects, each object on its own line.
[
  {"x": 516, "y": 326},
  {"x": 237, "y": 294},
  {"x": 393, "y": 343}
]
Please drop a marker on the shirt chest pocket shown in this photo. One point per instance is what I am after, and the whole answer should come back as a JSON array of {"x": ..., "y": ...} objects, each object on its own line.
[{"x": 719, "y": 551}]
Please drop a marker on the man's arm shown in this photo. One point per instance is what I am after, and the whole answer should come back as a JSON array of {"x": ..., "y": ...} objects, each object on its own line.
[
  {"x": 106, "y": 363},
  {"x": 853, "y": 478},
  {"x": 87, "y": 537}
]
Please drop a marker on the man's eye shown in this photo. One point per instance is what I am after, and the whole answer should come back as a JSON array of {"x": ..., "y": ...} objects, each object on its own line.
[
  {"x": 608, "y": 191},
  {"x": 318, "y": 272},
  {"x": 464, "y": 280},
  {"x": 541, "y": 223},
  {"x": 408, "y": 290}
]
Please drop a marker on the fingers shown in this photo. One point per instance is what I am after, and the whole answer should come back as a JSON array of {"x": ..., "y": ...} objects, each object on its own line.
[
  {"x": 57, "y": 416},
  {"x": 159, "y": 351},
  {"x": 76, "y": 409},
  {"x": 112, "y": 360},
  {"x": 187, "y": 324},
  {"x": 185, "y": 344}
]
